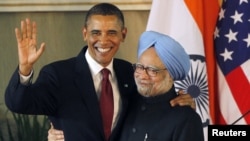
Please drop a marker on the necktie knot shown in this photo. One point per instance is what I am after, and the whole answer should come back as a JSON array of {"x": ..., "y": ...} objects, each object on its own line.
[{"x": 105, "y": 73}]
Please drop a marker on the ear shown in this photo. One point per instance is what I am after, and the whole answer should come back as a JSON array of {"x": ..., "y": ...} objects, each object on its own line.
[
  {"x": 84, "y": 33},
  {"x": 124, "y": 33}
]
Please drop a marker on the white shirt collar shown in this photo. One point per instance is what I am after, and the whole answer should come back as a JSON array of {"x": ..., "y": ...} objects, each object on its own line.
[{"x": 95, "y": 68}]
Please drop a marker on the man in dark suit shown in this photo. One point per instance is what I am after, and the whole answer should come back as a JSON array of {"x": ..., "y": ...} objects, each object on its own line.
[
  {"x": 68, "y": 91},
  {"x": 161, "y": 61}
]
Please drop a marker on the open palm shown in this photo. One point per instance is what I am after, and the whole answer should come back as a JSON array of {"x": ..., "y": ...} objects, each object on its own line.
[{"x": 27, "y": 46}]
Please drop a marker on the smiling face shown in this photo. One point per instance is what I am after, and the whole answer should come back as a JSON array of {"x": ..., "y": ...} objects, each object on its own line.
[
  {"x": 103, "y": 34},
  {"x": 156, "y": 85}
]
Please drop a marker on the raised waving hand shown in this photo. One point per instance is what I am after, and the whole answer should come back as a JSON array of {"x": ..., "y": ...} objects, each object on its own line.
[{"x": 28, "y": 52}]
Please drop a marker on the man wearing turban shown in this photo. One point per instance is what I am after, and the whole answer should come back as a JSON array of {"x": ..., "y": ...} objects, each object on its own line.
[{"x": 161, "y": 61}]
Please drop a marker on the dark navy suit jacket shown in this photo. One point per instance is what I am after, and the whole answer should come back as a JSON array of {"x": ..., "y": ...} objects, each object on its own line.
[
  {"x": 64, "y": 91},
  {"x": 154, "y": 119}
]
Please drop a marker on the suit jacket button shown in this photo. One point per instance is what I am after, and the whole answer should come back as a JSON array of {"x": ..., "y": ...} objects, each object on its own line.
[{"x": 133, "y": 130}]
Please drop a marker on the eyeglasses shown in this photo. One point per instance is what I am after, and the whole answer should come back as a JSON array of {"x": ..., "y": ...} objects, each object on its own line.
[{"x": 149, "y": 70}]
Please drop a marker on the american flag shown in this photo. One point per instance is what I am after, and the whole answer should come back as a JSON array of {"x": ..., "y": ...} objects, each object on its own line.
[{"x": 232, "y": 47}]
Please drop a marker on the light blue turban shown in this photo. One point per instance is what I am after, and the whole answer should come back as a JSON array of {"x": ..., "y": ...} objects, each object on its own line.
[{"x": 171, "y": 53}]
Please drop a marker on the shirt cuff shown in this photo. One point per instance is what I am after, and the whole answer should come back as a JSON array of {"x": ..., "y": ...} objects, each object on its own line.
[{"x": 25, "y": 80}]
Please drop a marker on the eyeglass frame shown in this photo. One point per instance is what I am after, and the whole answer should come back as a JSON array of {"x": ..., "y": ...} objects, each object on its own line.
[{"x": 151, "y": 71}]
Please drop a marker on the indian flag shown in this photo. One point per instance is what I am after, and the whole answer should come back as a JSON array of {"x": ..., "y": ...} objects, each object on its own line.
[{"x": 192, "y": 24}]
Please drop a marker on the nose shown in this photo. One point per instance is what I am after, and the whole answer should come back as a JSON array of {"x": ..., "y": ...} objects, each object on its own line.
[{"x": 103, "y": 38}]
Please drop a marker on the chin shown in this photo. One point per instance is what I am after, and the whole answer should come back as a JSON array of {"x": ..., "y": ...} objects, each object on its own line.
[
  {"x": 144, "y": 94},
  {"x": 142, "y": 91}
]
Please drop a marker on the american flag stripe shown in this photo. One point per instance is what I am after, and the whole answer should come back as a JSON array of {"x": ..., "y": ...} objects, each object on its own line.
[
  {"x": 227, "y": 104},
  {"x": 239, "y": 87}
]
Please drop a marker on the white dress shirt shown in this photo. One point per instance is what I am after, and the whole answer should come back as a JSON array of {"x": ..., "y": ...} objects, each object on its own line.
[{"x": 95, "y": 70}]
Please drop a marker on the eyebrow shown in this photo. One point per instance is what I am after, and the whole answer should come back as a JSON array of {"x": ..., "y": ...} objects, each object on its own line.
[
  {"x": 151, "y": 66},
  {"x": 97, "y": 30}
]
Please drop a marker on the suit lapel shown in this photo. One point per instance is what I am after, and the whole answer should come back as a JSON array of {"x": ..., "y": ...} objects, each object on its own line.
[
  {"x": 126, "y": 85},
  {"x": 84, "y": 83}
]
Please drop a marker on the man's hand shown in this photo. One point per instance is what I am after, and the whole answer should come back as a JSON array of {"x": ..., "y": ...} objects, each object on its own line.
[
  {"x": 27, "y": 46},
  {"x": 183, "y": 99},
  {"x": 55, "y": 135}
]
